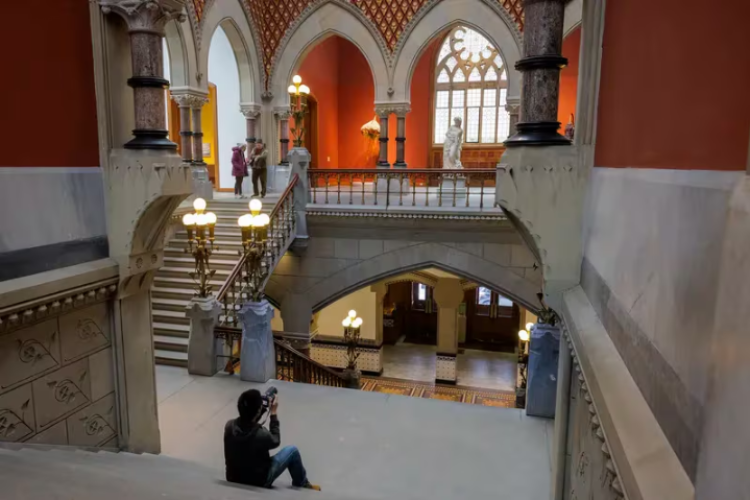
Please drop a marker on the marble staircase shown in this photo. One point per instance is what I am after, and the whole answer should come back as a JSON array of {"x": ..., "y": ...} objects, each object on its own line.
[
  {"x": 173, "y": 288},
  {"x": 46, "y": 472}
]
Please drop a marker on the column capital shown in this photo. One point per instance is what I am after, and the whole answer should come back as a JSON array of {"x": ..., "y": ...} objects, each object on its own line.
[
  {"x": 513, "y": 105},
  {"x": 283, "y": 113},
  {"x": 146, "y": 15},
  {"x": 401, "y": 109},
  {"x": 186, "y": 100},
  {"x": 383, "y": 110},
  {"x": 250, "y": 110}
]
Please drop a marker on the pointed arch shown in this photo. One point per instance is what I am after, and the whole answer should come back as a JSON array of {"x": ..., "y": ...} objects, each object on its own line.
[{"x": 326, "y": 20}]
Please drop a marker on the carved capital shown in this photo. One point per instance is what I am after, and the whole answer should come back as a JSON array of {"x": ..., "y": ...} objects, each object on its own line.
[
  {"x": 383, "y": 110},
  {"x": 282, "y": 113},
  {"x": 401, "y": 110},
  {"x": 146, "y": 15},
  {"x": 513, "y": 105},
  {"x": 251, "y": 111}
]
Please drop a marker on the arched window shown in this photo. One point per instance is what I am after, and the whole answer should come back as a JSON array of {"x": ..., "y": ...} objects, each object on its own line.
[{"x": 471, "y": 83}]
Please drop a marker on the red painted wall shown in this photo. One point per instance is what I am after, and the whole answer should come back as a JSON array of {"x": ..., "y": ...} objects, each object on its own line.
[
  {"x": 356, "y": 97},
  {"x": 418, "y": 122},
  {"x": 49, "y": 114},
  {"x": 674, "y": 86},
  {"x": 569, "y": 78},
  {"x": 320, "y": 72}
]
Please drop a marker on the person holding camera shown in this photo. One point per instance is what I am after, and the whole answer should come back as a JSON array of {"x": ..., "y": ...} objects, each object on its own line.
[{"x": 247, "y": 444}]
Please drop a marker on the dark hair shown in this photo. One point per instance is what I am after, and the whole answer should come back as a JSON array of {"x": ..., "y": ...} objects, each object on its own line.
[{"x": 249, "y": 404}]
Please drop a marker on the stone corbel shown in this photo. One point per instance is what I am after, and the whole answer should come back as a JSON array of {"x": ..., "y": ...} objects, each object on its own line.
[
  {"x": 250, "y": 111},
  {"x": 384, "y": 110},
  {"x": 541, "y": 191}
]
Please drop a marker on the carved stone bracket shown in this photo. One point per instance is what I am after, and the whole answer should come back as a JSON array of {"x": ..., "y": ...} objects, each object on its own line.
[{"x": 250, "y": 111}]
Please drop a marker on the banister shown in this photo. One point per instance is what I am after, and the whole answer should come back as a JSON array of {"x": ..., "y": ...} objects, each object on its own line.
[{"x": 281, "y": 343}]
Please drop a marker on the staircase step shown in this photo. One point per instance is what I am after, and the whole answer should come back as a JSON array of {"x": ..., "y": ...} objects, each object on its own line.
[
  {"x": 175, "y": 305},
  {"x": 170, "y": 317},
  {"x": 171, "y": 358},
  {"x": 188, "y": 262},
  {"x": 172, "y": 344},
  {"x": 167, "y": 292},
  {"x": 187, "y": 282},
  {"x": 171, "y": 329},
  {"x": 182, "y": 272}
]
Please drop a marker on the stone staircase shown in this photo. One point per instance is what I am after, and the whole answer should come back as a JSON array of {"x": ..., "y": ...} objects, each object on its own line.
[
  {"x": 47, "y": 472},
  {"x": 173, "y": 288}
]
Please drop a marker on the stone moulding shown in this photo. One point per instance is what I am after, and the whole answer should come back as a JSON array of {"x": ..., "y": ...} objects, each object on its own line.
[
  {"x": 37, "y": 310},
  {"x": 393, "y": 215}
]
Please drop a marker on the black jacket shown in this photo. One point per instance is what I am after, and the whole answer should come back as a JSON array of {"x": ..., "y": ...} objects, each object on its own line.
[{"x": 246, "y": 448}]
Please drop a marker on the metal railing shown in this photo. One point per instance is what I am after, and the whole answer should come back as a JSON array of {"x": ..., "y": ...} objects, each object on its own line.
[
  {"x": 235, "y": 291},
  {"x": 293, "y": 366},
  {"x": 435, "y": 188}
]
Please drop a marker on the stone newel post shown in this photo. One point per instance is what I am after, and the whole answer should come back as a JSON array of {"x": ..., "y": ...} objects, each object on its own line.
[
  {"x": 541, "y": 64},
  {"x": 146, "y": 20}
]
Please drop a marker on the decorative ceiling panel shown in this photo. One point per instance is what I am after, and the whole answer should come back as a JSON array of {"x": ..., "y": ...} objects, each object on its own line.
[
  {"x": 199, "y": 5},
  {"x": 390, "y": 16},
  {"x": 515, "y": 9}
]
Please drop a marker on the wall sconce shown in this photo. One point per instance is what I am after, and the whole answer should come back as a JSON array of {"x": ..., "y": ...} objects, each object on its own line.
[
  {"x": 200, "y": 229},
  {"x": 254, "y": 227},
  {"x": 352, "y": 328},
  {"x": 298, "y": 94}
]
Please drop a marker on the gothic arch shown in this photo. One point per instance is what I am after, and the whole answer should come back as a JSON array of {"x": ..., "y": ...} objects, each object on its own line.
[
  {"x": 488, "y": 18},
  {"x": 180, "y": 50},
  {"x": 415, "y": 257},
  {"x": 315, "y": 25},
  {"x": 228, "y": 15}
]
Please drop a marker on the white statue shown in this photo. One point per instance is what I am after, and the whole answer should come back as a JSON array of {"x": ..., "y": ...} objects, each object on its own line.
[{"x": 454, "y": 139}]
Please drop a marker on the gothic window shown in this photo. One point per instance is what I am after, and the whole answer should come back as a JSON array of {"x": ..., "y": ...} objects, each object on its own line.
[{"x": 471, "y": 83}]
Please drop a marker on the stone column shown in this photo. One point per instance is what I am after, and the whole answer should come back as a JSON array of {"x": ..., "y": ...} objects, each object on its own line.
[
  {"x": 203, "y": 187},
  {"x": 383, "y": 113},
  {"x": 204, "y": 316},
  {"x": 448, "y": 295},
  {"x": 513, "y": 107},
  {"x": 251, "y": 112},
  {"x": 540, "y": 65},
  {"x": 186, "y": 133},
  {"x": 284, "y": 136},
  {"x": 146, "y": 20},
  {"x": 297, "y": 314},
  {"x": 401, "y": 112}
]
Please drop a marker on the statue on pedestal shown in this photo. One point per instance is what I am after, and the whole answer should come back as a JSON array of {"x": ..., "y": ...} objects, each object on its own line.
[{"x": 454, "y": 139}]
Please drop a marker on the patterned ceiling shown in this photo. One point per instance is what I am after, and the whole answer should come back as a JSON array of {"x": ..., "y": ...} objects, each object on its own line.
[{"x": 273, "y": 18}]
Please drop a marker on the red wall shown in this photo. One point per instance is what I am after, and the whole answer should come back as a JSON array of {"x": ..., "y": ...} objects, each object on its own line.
[
  {"x": 49, "y": 110},
  {"x": 418, "y": 129},
  {"x": 569, "y": 78},
  {"x": 356, "y": 98},
  {"x": 675, "y": 85},
  {"x": 320, "y": 71}
]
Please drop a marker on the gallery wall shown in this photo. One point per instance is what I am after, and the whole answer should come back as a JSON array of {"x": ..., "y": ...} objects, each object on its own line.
[{"x": 569, "y": 78}]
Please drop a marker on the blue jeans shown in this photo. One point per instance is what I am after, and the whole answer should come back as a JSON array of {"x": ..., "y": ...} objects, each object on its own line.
[{"x": 287, "y": 458}]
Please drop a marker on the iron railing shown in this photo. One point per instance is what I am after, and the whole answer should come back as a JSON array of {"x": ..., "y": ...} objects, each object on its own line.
[
  {"x": 236, "y": 291},
  {"x": 410, "y": 187},
  {"x": 293, "y": 366}
]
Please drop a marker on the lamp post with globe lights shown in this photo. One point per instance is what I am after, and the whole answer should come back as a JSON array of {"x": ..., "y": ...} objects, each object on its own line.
[
  {"x": 298, "y": 93},
  {"x": 352, "y": 328},
  {"x": 254, "y": 227},
  {"x": 200, "y": 228}
]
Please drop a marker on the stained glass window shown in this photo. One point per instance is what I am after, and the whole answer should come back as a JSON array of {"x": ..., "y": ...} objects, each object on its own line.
[{"x": 471, "y": 72}]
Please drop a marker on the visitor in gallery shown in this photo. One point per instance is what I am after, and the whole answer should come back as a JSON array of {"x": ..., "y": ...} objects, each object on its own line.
[
  {"x": 239, "y": 168},
  {"x": 259, "y": 162}
]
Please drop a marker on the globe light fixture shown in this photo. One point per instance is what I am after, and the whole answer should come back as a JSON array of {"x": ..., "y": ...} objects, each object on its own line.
[
  {"x": 298, "y": 96},
  {"x": 200, "y": 228},
  {"x": 523, "y": 335},
  {"x": 297, "y": 79},
  {"x": 529, "y": 326},
  {"x": 254, "y": 227},
  {"x": 352, "y": 327}
]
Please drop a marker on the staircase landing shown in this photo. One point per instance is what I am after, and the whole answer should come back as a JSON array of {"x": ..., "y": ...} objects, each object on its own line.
[{"x": 361, "y": 444}]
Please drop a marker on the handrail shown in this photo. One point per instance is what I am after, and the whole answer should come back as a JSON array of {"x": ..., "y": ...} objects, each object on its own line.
[
  {"x": 286, "y": 196},
  {"x": 293, "y": 366}
]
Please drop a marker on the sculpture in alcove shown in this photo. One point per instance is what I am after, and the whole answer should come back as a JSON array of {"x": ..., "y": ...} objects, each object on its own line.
[
  {"x": 452, "y": 146},
  {"x": 371, "y": 136}
]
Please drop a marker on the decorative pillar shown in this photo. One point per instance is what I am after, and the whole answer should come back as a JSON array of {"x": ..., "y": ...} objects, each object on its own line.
[
  {"x": 383, "y": 113},
  {"x": 146, "y": 20},
  {"x": 258, "y": 356},
  {"x": 541, "y": 65},
  {"x": 401, "y": 112},
  {"x": 448, "y": 295},
  {"x": 186, "y": 133},
  {"x": 284, "y": 136},
  {"x": 297, "y": 314},
  {"x": 251, "y": 112},
  {"x": 513, "y": 107},
  {"x": 201, "y": 181},
  {"x": 204, "y": 316}
]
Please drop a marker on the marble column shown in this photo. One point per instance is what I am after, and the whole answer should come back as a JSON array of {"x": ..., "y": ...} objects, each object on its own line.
[
  {"x": 448, "y": 295},
  {"x": 401, "y": 112},
  {"x": 540, "y": 65},
  {"x": 251, "y": 112},
  {"x": 186, "y": 133},
  {"x": 284, "y": 136},
  {"x": 146, "y": 20},
  {"x": 383, "y": 113},
  {"x": 197, "y": 103}
]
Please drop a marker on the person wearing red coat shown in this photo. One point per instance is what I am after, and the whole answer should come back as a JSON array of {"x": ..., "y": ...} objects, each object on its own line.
[{"x": 239, "y": 169}]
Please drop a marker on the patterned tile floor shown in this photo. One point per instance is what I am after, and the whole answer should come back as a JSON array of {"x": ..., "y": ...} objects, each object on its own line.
[{"x": 457, "y": 394}]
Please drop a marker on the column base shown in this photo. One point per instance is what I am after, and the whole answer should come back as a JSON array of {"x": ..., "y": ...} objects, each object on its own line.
[
  {"x": 537, "y": 134},
  {"x": 151, "y": 139},
  {"x": 383, "y": 164},
  {"x": 399, "y": 164}
]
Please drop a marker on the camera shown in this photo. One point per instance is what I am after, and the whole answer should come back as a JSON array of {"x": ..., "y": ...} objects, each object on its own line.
[{"x": 268, "y": 396}]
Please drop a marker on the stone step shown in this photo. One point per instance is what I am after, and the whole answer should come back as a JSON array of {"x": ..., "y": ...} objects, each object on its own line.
[
  {"x": 165, "y": 291},
  {"x": 186, "y": 282},
  {"x": 178, "y": 250},
  {"x": 171, "y": 317},
  {"x": 172, "y": 344},
  {"x": 182, "y": 272},
  {"x": 171, "y": 358},
  {"x": 172, "y": 329},
  {"x": 187, "y": 262},
  {"x": 175, "y": 305}
]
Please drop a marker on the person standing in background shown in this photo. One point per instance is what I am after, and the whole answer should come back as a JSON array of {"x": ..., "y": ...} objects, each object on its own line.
[
  {"x": 239, "y": 169},
  {"x": 259, "y": 162}
]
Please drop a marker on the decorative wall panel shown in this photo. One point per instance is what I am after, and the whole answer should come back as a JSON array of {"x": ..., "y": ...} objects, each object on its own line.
[
  {"x": 445, "y": 368},
  {"x": 334, "y": 356},
  {"x": 390, "y": 16},
  {"x": 57, "y": 380}
]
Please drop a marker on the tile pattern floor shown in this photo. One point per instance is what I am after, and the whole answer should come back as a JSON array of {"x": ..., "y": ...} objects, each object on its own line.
[
  {"x": 483, "y": 369},
  {"x": 360, "y": 444},
  {"x": 469, "y": 395}
]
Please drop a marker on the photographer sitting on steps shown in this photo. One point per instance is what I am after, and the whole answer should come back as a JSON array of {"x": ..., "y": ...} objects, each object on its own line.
[{"x": 247, "y": 443}]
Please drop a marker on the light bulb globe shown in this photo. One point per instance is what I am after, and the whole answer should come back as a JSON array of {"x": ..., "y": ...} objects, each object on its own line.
[
  {"x": 352, "y": 314},
  {"x": 304, "y": 89},
  {"x": 529, "y": 326},
  {"x": 292, "y": 89},
  {"x": 199, "y": 204},
  {"x": 523, "y": 335},
  {"x": 211, "y": 218},
  {"x": 255, "y": 206},
  {"x": 347, "y": 322},
  {"x": 188, "y": 219},
  {"x": 263, "y": 219},
  {"x": 296, "y": 79}
]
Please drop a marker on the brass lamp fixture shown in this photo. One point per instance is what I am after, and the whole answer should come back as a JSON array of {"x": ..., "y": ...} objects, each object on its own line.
[
  {"x": 200, "y": 230},
  {"x": 254, "y": 228},
  {"x": 298, "y": 94},
  {"x": 352, "y": 327}
]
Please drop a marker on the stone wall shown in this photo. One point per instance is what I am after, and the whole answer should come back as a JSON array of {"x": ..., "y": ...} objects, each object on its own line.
[{"x": 57, "y": 379}]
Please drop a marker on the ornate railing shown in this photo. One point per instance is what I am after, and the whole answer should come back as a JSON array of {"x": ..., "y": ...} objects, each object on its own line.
[
  {"x": 236, "y": 290},
  {"x": 409, "y": 187},
  {"x": 293, "y": 366}
]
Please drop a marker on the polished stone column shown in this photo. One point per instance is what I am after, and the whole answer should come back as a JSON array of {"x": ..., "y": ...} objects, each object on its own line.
[
  {"x": 202, "y": 183},
  {"x": 146, "y": 20},
  {"x": 284, "y": 134},
  {"x": 541, "y": 65},
  {"x": 186, "y": 133},
  {"x": 383, "y": 113},
  {"x": 251, "y": 112},
  {"x": 401, "y": 112}
]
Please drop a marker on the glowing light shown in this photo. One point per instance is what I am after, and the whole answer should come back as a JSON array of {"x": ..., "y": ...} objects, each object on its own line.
[
  {"x": 523, "y": 335},
  {"x": 201, "y": 220},
  {"x": 292, "y": 89},
  {"x": 211, "y": 218},
  {"x": 245, "y": 221},
  {"x": 263, "y": 219},
  {"x": 357, "y": 323},
  {"x": 304, "y": 89},
  {"x": 347, "y": 322},
  {"x": 352, "y": 314},
  {"x": 199, "y": 204},
  {"x": 188, "y": 219},
  {"x": 529, "y": 326},
  {"x": 255, "y": 206},
  {"x": 297, "y": 79}
]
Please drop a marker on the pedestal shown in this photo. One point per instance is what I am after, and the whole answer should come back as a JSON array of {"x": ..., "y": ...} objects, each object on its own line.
[
  {"x": 258, "y": 356},
  {"x": 451, "y": 185},
  {"x": 202, "y": 187},
  {"x": 204, "y": 316},
  {"x": 544, "y": 351},
  {"x": 279, "y": 177}
]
